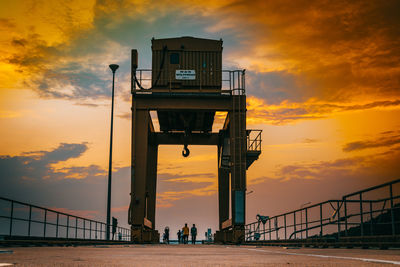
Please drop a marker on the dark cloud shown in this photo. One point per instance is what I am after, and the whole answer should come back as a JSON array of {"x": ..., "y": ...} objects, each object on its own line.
[
  {"x": 30, "y": 178},
  {"x": 275, "y": 86},
  {"x": 37, "y": 164},
  {"x": 386, "y": 139},
  {"x": 331, "y": 51},
  {"x": 19, "y": 42},
  {"x": 375, "y": 166}
]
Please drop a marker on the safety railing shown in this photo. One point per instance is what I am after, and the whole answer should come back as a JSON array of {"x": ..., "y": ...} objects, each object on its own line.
[
  {"x": 225, "y": 81},
  {"x": 19, "y": 219},
  {"x": 375, "y": 212},
  {"x": 254, "y": 140}
]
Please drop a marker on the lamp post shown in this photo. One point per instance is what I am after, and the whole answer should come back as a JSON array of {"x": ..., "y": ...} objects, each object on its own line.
[
  {"x": 301, "y": 219},
  {"x": 113, "y": 68}
]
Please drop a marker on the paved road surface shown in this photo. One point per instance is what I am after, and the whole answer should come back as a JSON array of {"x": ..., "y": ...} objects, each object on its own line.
[{"x": 195, "y": 255}]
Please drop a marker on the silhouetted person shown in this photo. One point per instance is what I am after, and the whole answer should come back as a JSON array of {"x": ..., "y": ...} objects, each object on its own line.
[
  {"x": 179, "y": 236},
  {"x": 193, "y": 232},
  {"x": 185, "y": 231},
  {"x": 166, "y": 235}
]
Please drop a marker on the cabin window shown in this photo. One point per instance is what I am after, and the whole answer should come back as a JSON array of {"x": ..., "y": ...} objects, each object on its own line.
[{"x": 174, "y": 58}]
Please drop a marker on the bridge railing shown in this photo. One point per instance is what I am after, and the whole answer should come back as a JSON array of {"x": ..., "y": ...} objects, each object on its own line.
[
  {"x": 231, "y": 81},
  {"x": 19, "y": 219},
  {"x": 374, "y": 211}
]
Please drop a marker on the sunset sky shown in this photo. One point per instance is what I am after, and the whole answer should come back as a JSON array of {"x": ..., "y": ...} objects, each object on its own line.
[{"x": 323, "y": 83}]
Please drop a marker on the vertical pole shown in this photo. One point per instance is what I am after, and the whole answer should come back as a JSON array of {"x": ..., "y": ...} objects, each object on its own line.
[
  {"x": 269, "y": 223},
  {"x": 113, "y": 67},
  {"x": 57, "y": 225},
  {"x": 284, "y": 221},
  {"x": 301, "y": 224},
  {"x": 264, "y": 230},
  {"x": 371, "y": 218},
  {"x": 84, "y": 228},
  {"x": 11, "y": 216},
  {"x": 391, "y": 209},
  {"x": 338, "y": 218},
  {"x": 361, "y": 216},
  {"x": 306, "y": 223},
  {"x": 320, "y": 219},
  {"x": 29, "y": 220},
  {"x": 67, "y": 226},
  {"x": 90, "y": 229},
  {"x": 76, "y": 227},
  {"x": 294, "y": 225},
  {"x": 345, "y": 217},
  {"x": 45, "y": 221}
]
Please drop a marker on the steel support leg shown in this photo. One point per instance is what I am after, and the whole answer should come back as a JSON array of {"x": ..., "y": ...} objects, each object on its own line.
[
  {"x": 140, "y": 186},
  {"x": 223, "y": 195},
  {"x": 151, "y": 187},
  {"x": 238, "y": 149}
]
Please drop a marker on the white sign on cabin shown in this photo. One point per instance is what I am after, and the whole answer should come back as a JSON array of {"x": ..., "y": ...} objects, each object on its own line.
[{"x": 185, "y": 75}]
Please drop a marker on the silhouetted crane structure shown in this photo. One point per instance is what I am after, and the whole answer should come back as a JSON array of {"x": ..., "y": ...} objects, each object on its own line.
[{"x": 186, "y": 92}]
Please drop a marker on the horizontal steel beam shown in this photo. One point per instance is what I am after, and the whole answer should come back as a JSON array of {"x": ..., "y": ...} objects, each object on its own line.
[
  {"x": 210, "y": 139},
  {"x": 210, "y": 103}
]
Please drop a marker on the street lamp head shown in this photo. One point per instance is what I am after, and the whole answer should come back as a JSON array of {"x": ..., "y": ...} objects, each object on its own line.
[{"x": 113, "y": 67}]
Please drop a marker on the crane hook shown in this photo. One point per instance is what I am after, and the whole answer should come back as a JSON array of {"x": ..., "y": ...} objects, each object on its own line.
[{"x": 185, "y": 151}]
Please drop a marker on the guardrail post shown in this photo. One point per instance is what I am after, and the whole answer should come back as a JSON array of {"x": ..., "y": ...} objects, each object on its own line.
[
  {"x": 90, "y": 229},
  {"x": 57, "y": 226},
  {"x": 269, "y": 223},
  {"x": 361, "y": 216},
  {"x": 345, "y": 216},
  {"x": 294, "y": 225},
  {"x": 371, "y": 229},
  {"x": 338, "y": 218},
  {"x": 391, "y": 209},
  {"x": 320, "y": 219},
  {"x": 11, "y": 216},
  {"x": 84, "y": 228},
  {"x": 306, "y": 223},
  {"x": 233, "y": 80},
  {"x": 29, "y": 220},
  {"x": 76, "y": 227},
  {"x": 45, "y": 221},
  {"x": 284, "y": 221},
  {"x": 67, "y": 226},
  {"x": 264, "y": 230}
]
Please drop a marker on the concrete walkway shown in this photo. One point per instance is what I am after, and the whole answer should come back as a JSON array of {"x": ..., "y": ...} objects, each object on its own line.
[{"x": 195, "y": 255}]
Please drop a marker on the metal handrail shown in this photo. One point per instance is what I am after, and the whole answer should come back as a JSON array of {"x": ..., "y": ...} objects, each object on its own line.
[
  {"x": 232, "y": 81},
  {"x": 342, "y": 216},
  {"x": 254, "y": 144},
  {"x": 99, "y": 229}
]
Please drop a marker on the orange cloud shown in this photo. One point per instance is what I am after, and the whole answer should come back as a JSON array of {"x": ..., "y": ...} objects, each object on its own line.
[{"x": 259, "y": 112}]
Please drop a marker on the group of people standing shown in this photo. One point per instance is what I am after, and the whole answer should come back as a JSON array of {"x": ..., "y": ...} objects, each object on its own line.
[{"x": 183, "y": 236}]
